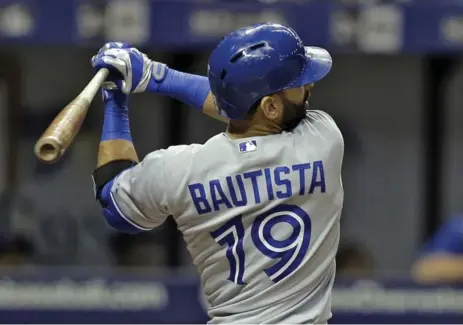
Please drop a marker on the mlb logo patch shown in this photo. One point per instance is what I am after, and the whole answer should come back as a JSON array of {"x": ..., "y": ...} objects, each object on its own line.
[{"x": 248, "y": 146}]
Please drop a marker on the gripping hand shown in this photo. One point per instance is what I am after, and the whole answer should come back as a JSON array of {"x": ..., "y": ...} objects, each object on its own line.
[{"x": 130, "y": 70}]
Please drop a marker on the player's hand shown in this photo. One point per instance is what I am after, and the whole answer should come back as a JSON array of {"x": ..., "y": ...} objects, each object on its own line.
[
  {"x": 131, "y": 70},
  {"x": 114, "y": 80}
]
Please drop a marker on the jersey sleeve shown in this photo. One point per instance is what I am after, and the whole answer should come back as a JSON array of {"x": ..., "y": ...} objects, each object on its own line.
[{"x": 139, "y": 194}]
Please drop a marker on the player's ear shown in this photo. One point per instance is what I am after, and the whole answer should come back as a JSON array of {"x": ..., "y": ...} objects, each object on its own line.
[{"x": 272, "y": 107}]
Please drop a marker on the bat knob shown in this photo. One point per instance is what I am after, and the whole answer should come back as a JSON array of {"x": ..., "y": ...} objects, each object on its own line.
[{"x": 48, "y": 150}]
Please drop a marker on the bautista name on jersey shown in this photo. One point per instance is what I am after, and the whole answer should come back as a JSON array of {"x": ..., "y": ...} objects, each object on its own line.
[{"x": 268, "y": 184}]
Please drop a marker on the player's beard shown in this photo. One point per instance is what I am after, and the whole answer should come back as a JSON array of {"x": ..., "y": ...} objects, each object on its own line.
[{"x": 293, "y": 114}]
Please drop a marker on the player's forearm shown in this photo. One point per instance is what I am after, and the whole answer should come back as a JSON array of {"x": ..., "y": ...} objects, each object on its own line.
[
  {"x": 116, "y": 154},
  {"x": 191, "y": 89},
  {"x": 111, "y": 150}
]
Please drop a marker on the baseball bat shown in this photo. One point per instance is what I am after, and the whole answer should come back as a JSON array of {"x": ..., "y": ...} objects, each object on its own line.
[{"x": 53, "y": 143}]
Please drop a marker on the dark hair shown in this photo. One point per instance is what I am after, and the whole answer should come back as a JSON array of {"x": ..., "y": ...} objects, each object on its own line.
[{"x": 254, "y": 108}]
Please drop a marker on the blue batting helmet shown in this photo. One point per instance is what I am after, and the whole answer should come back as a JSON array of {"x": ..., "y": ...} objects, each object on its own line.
[{"x": 260, "y": 60}]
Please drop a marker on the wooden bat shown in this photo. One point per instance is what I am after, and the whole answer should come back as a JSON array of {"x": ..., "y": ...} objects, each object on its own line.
[{"x": 59, "y": 135}]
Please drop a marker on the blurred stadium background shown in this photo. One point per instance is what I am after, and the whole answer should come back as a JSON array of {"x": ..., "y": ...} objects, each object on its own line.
[{"x": 396, "y": 91}]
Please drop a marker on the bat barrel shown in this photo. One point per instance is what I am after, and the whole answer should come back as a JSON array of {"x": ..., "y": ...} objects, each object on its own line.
[
  {"x": 59, "y": 135},
  {"x": 48, "y": 149}
]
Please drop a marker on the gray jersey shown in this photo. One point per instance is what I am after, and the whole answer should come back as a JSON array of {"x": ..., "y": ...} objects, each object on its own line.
[{"x": 260, "y": 217}]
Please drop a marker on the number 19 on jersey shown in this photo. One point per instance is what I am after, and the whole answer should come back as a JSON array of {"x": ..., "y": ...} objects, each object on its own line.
[{"x": 288, "y": 252}]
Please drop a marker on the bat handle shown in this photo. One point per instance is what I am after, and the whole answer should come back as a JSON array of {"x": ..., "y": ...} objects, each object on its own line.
[{"x": 59, "y": 135}]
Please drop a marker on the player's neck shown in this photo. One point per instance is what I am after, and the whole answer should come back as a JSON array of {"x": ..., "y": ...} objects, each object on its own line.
[{"x": 245, "y": 129}]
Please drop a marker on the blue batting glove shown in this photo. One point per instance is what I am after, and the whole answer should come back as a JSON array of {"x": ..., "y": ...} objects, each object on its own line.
[
  {"x": 131, "y": 70},
  {"x": 114, "y": 45},
  {"x": 113, "y": 81}
]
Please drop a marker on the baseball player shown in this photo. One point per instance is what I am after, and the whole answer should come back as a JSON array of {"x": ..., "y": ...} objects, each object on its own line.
[{"x": 258, "y": 205}]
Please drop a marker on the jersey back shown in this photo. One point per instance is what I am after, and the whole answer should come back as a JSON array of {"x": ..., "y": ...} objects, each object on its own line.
[{"x": 260, "y": 217}]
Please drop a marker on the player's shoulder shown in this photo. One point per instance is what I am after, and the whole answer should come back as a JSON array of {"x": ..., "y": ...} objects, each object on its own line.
[
  {"x": 196, "y": 149},
  {"x": 317, "y": 116},
  {"x": 321, "y": 127},
  {"x": 174, "y": 154},
  {"x": 319, "y": 123},
  {"x": 183, "y": 157}
]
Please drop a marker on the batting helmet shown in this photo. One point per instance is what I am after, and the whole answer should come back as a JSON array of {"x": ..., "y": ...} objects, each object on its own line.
[{"x": 260, "y": 60}]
